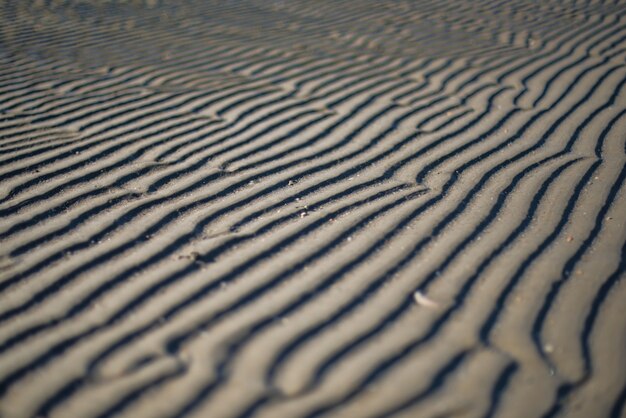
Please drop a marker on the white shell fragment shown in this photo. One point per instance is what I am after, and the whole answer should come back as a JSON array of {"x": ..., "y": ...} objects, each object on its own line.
[{"x": 424, "y": 300}]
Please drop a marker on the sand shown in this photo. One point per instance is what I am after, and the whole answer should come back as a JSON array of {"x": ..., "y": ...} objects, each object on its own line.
[{"x": 312, "y": 208}]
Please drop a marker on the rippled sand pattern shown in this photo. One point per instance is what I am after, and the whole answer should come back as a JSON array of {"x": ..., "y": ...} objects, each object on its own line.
[{"x": 312, "y": 208}]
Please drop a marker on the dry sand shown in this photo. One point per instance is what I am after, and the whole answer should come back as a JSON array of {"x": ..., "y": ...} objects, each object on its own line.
[{"x": 312, "y": 208}]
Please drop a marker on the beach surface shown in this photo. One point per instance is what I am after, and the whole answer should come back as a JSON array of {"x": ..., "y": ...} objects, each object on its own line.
[{"x": 322, "y": 208}]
